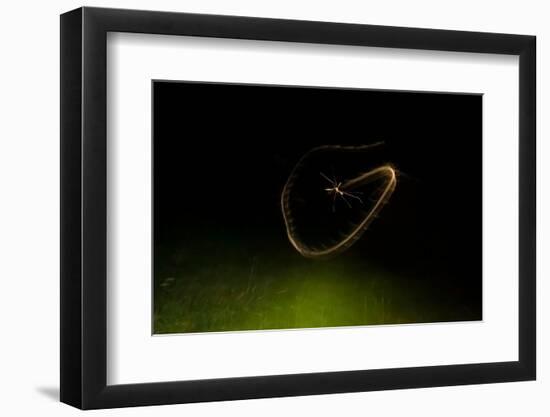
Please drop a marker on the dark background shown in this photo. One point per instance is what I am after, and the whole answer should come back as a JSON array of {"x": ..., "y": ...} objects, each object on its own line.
[{"x": 223, "y": 152}]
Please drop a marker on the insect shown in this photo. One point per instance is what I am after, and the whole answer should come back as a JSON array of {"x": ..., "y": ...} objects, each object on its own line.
[{"x": 336, "y": 191}]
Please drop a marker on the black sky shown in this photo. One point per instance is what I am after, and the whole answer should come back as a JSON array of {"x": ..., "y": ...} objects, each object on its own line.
[{"x": 222, "y": 154}]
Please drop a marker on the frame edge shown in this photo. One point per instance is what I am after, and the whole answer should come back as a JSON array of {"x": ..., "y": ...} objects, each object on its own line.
[
  {"x": 527, "y": 208},
  {"x": 70, "y": 216}
]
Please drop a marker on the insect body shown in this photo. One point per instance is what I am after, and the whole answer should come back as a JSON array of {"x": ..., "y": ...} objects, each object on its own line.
[{"x": 336, "y": 192}]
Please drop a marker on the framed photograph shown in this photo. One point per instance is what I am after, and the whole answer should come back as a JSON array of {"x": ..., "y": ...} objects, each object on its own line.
[{"x": 258, "y": 208}]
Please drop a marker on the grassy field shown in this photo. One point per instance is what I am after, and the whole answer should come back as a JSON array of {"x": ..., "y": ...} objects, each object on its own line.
[{"x": 228, "y": 290}]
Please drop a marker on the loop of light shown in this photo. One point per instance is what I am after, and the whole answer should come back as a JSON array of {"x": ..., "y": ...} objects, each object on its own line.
[{"x": 385, "y": 172}]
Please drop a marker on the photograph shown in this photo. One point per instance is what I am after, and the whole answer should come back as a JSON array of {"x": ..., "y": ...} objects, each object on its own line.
[
  {"x": 269, "y": 205},
  {"x": 280, "y": 207}
]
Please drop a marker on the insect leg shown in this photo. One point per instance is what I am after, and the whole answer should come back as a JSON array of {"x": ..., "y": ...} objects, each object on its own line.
[
  {"x": 352, "y": 195},
  {"x": 344, "y": 198},
  {"x": 327, "y": 178}
]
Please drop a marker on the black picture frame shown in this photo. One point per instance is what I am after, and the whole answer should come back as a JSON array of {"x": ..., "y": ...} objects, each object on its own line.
[{"x": 84, "y": 209}]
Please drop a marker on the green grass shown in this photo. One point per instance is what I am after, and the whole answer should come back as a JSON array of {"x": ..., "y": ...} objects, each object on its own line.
[{"x": 227, "y": 290}]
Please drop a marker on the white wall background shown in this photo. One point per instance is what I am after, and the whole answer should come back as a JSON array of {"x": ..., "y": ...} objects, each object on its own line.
[{"x": 29, "y": 206}]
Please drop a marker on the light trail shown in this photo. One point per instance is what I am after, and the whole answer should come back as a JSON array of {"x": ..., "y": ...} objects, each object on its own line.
[{"x": 343, "y": 189}]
